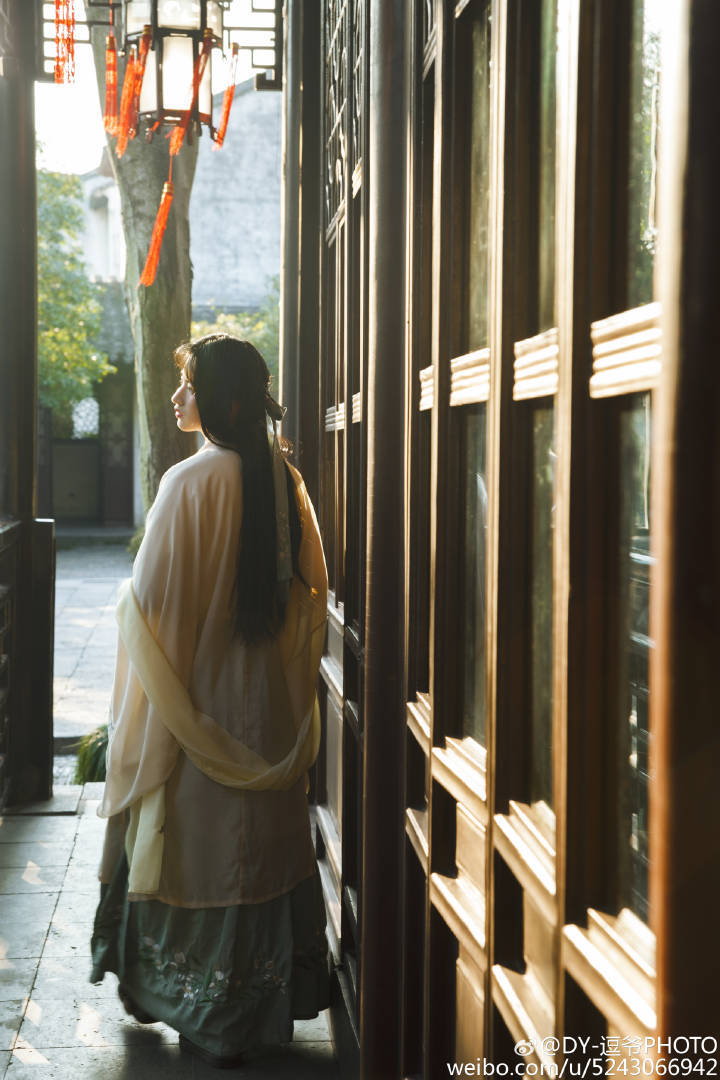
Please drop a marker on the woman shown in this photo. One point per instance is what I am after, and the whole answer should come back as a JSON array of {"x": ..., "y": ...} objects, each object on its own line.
[{"x": 211, "y": 911}]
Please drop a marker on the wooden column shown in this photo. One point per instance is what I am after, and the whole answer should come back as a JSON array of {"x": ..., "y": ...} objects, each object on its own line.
[
  {"x": 384, "y": 729},
  {"x": 302, "y": 194},
  {"x": 29, "y": 570},
  {"x": 17, "y": 259},
  {"x": 685, "y": 806},
  {"x": 290, "y": 214}
]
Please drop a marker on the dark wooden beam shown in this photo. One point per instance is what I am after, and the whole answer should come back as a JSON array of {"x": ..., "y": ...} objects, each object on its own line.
[
  {"x": 302, "y": 195},
  {"x": 685, "y": 696},
  {"x": 29, "y": 752},
  {"x": 290, "y": 219},
  {"x": 384, "y": 729},
  {"x": 18, "y": 223}
]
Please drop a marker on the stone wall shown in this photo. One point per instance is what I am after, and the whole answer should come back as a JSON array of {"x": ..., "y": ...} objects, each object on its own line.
[{"x": 235, "y": 205}]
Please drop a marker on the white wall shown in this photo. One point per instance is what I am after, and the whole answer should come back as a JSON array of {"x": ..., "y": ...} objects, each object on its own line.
[{"x": 104, "y": 241}]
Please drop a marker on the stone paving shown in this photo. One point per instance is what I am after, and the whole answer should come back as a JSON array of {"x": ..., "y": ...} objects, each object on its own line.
[
  {"x": 86, "y": 584},
  {"x": 54, "y": 1024}
]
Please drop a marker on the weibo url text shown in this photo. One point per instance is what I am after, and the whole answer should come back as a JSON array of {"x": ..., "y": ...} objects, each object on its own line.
[{"x": 621, "y": 1057}]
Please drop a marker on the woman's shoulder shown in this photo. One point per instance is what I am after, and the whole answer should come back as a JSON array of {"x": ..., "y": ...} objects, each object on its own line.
[{"x": 209, "y": 466}]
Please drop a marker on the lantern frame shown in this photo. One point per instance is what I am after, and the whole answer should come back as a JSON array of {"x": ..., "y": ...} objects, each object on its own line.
[
  {"x": 260, "y": 36},
  {"x": 158, "y": 114}
]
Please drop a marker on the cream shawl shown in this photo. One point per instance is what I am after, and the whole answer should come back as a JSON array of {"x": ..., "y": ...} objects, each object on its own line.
[{"x": 155, "y": 714}]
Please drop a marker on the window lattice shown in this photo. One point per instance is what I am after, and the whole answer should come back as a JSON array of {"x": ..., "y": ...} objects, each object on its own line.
[
  {"x": 336, "y": 45},
  {"x": 86, "y": 418},
  {"x": 358, "y": 89}
]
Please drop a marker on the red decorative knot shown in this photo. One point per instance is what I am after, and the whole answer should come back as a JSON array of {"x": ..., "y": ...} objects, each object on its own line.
[{"x": 64, "y": 41}]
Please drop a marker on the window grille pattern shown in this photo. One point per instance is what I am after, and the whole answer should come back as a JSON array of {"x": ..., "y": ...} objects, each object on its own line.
[
  {"x": 336, "y": 30},
  {"x": 358, "y": 88},
  {"x": 86, "y": 418}
]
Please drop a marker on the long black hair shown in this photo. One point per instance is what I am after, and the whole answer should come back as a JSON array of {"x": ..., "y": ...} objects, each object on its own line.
[{"x": 230, "y": 381}]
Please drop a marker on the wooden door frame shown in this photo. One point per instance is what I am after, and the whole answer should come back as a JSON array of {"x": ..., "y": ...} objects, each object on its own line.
[{"x": 685, "y": 807}]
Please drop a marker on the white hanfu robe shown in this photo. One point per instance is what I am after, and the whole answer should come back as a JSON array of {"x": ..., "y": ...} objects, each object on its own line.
[{"x": 249, "y": 713}]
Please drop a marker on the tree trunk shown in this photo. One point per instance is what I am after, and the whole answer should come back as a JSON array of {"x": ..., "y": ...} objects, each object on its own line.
[{"x": 159, "y": 314}]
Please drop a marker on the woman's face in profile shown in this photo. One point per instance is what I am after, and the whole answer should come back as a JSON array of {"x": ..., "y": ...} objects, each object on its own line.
[{"x": 185, "y": 406}]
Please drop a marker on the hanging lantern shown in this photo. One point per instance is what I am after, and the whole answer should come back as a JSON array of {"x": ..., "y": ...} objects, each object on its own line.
[
  {"x": 173, "y": 41},
  {"x": 182, "y": 32},
  {"x": 168, "y": 47}
]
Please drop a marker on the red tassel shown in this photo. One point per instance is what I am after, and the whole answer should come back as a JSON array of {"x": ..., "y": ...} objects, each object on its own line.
[
  {"x": 64, "y": 41},
  {"x": 178, "y": 132},
  {"x": 110, "y": 119},
  {"x": 228, "y": 99},
  {"x": 151, "y": 263},
  {"x": 128, "y": 93},
  {"x": 145, "y": 43}
]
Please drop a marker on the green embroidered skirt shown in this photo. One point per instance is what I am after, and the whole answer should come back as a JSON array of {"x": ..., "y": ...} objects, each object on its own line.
[{"x": 229, "y": 979}]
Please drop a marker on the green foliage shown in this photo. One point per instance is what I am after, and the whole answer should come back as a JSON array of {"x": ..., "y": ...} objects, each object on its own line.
[
  {"x": 261, "y": 327},
  {"x": 69, "y": 309},
  {"x": 92, "y": 748}
]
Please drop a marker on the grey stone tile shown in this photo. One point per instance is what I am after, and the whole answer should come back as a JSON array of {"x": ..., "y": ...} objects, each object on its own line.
[
  {"x": 58, "y": 976},
  {"x": 68, "y": 938},
  {"x": 84, "y": 1020},
  {"x": 95, "y": 595},
  {"x": 38, "y": 905},
  {"x": 20, "y": 911},
  {"x": 91, "y": 832},
  {"x": 26, "y": 907},
  {"x": 11, "y": 1015},
  {"x": 16, "y": 978},
  {"x": 312, "y": 1060},
  {"x": 22, "y": 939},
  {"x": 82, "y": 877},
  {"x": 91, "y": 824},
  {"x": 86, "y": 855},
  {"x": 37, "y": 852},
  {"x": 89, "y": 692},
  {"x": 296, "y": 1061},
  {"x": 77, "y": 907},
  {"x": 31, "y": 879},
  {"x": 65, "y": 662},
  {"x": 94, "y": 668},
  {"x": 24, "y": 922},
  {"x": 75, "y": 722},
  {"x": 72, "y": 637},
  {"x": 103, "y": 644},
  {"x": 65, "y": 800},
  {"x": 148, "y": 1059},
  {"x": 80, "y": 613},
  {"x": 16, "y": 830},
  {"x": 93, "y": 792},
  {"x": 316, "y": 1030},
  {"x": 64, "y": 766},
  {"x": 5, "y": 1056}
]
